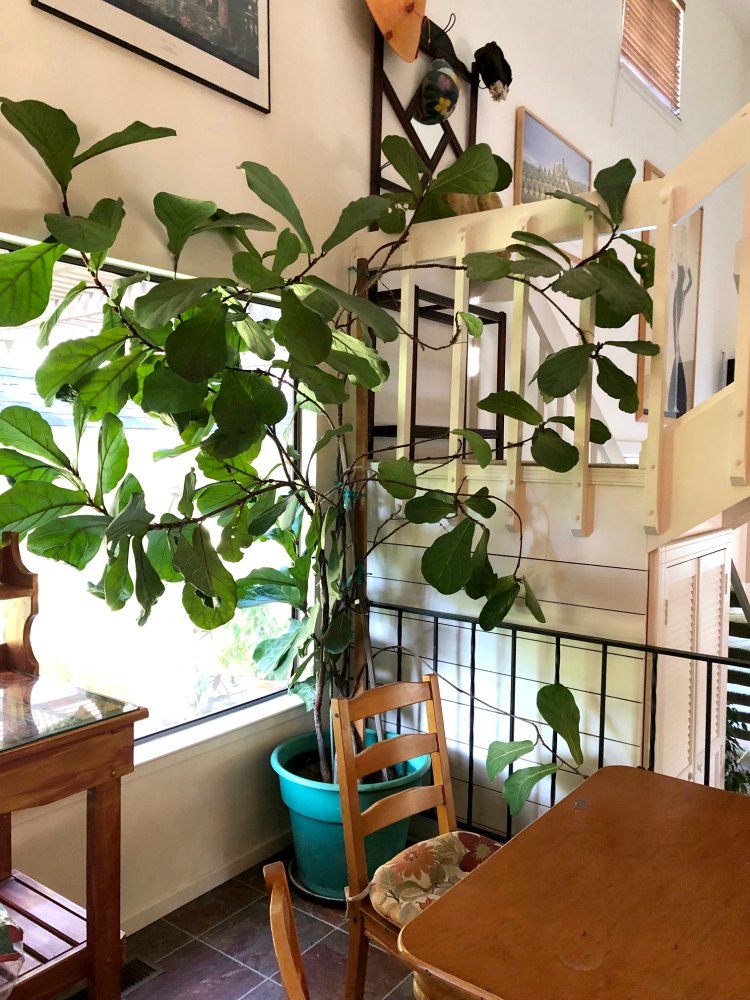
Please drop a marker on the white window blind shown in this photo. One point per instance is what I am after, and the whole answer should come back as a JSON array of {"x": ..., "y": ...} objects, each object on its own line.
[{"x": 652, "y": 45}]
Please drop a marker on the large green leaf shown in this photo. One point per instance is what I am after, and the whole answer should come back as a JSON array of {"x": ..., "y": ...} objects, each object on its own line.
[
  {"x": 108, "y": 388},
  {"x": 558, "y": 708},
  {"x": 362, "y": 363},
  {"x": 613, "y": 184},
  {"x": 135, "y": 132},
  {"x": 164, "y": 391},
  {"x": 288, "y": 249},
  {"x": 79, "y": 233},
  {"x": 620, "y": 295},
  {"x": 398, "y": 478},
  {"x": 518, "y": 787},
  {"x": 181, "y": 217},
  {"x": 132, "y": 521},
  {"x": 338, "y": 635},
  {"x": 49, "y": 130},
  {"x": 474, "y": 172},
  {"x": 251, "y": 271},
  {"x": 563, "y": 371},
  {"x": 486, "y": 266},
  {"x": 430, "y": 507},
  {"x": 237, "y": 220},
  {"x": 533, "y": 264},
  {"x": 28, "y": 431},
  {"x": 512, "y": 405},
  {"x": 357, "y": 215},
  {"x": 482, "y": 578},
  {"x": 256, "y": 339},
  {"x": 270, "y": 402},
  {"x": 236, "y": 416},
  {"x": 160, "y": 553},
  {"x": 117, "y": 582},
  {"x": 17, "y": 467},
  {"x": 112, "y": 456},
  {"x": 267, "y": 586},
  {"x": 405, "y": 161},
  {"x": 197, "y": 348},
  {"x": 539, "y": 241},
  {"x": 26, "y": 282},
  {"x": 272, "y": 655},
  {"x": 501, "y": 755},
  {"x": 324, "y": 387},
  {"x": 377, "y": 320},
  {"x": 599, "y": 433},
  {"x": 446, "y": 564},
  {"x": 614, "y": 381},
  {"x": 74, "y": 540},
  {"x": 551, "y": 451},
  {"x": 108, "y": 212},
  {"x": 170, "y": 298},
  {"x": 499, "y": 603},
  {"x": 31, "y": 503},
  {"x": 480, "y": 503},
  {"x": 479, "y": 446},
  {"x": 583, "y": 203},
  {"x": 474, "y": 325},
  {"x": 46, "y": 328},
  {"x": 504, "y": 173},
  {"x": 644, "y": 260},
  {"x": 579, "y": 282},
  {"x": 646, "y": 348},
  {"x": 148, "y": 585},
  {"x": 69, "y": 362},
  {"x": 529, "y": 599},
  {"x": 274, "y": 193},
  {"x": 214, "y": 603},
  {"x": 302, "y": 331}
]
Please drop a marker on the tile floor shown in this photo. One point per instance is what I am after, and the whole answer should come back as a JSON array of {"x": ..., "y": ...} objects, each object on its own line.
[{"x": 218, "y": 947}]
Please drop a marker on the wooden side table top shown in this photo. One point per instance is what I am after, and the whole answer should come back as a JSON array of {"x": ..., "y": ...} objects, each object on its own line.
[{"x": 635, "y": 886}]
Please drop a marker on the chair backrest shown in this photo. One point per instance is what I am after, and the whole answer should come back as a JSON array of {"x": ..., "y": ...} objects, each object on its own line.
[
  {"x": 284, "y": 933},
  {"x": 353, "y": 766}
]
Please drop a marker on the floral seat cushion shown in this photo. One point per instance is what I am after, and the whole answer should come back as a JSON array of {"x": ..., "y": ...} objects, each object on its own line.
[{"x": 408, "y": 883}]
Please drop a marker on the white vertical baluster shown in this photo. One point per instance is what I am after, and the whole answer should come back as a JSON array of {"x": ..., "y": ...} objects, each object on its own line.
[
  {"x": 459, "y": 352},
  {"x": 580, "y": 476},
  {"x": 516, "y": 382},
  {"x": 740, "y": 436},
  {"x": 404, "y": 428}
]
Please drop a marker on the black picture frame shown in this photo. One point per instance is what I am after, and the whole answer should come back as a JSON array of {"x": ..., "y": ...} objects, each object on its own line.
[{"x": 136, "y": 34}]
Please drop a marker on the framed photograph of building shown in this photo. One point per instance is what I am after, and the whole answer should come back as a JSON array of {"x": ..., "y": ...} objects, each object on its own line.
[
  {"x": 221, "y": 43},
  {"x": 546, "y": 162},
  {"x": 682, "y": 317}
]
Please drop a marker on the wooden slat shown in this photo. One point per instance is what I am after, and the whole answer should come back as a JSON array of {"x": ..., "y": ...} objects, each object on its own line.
[
  {"x": 386, "y": 698},
  {"x": 43, "y": 890},
  {"x": 48, "y": 913},
  {"x": 47, "y": 981},
  {"x": 38, "y": 942},
  {"x": 400, "y": 806},
  {"x": 394, "y": 751}
]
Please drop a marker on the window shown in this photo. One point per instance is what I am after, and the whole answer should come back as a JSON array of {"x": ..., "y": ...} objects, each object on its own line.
[
  {"x": 652, "y": 46},
  {"x": 172, "y": 668}
]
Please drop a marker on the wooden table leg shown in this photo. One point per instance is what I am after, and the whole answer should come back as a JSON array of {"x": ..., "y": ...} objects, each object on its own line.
[
  {"x": 103, "y": 956},
  {"x": 6, "y": 862}
]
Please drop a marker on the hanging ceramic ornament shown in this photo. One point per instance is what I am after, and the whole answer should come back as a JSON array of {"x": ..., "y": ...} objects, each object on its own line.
[
  {"x": 400, "y": 22},
  {"x": 438, "y": 96}
]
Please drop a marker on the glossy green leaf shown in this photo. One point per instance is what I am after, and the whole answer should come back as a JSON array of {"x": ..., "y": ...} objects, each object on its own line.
[
  {"x": 504, "y": 173},
  {"x": 185, "y": 503},
  {"x": 181, "y": 217},
  {"x": 486, "y": 266},
  {"x": 302, "y": 332},
  {"x": 563, "y": 371},
  {"x": 236, "y": 416},
  {"x": 46, "y": 328},
  {"x": 431, "y": 208},
  {"x": 324, "y": 387},
  {"x": 519, "y": 786},
  {"x": 599, "y": 433},
  {"x": 134, "y": 133},
  {"x": 521, "y": 236},
  {"x": 252, "y": 272},
  {"x": 360, "y": 363},
  {"x": 644, "y": 260},
  {"x": 338, "y": 635},
  {"x": 613, "y": 184},
  {"x": 80, "y": 233},
  {"x": 446, "y": 564},
  {"x": 549, "y": 450},
  {"x": 379, "y": 323},
  {"x": 499, "y": 603},
  {"x": 117, "y": 582},
  {"x": 482, "y": 578},
  {"x": 474, "y": 325},
  {"x": 148, "y": 585},
  {"x": 274, "y": 193},
  {"x": 132, "y": 521},
  {"x": 210, "y": 592},
  {"x": 26, "y": 282},
  {"x": 479, "y": 446},
  {"x": 357, "y": 215},
  {"x": 28, "y": 431},
  {"x": 197, "y": 348},
  {"x": 405, "y": 161},
  {"x": 17, "y": 467},
  {"x": 329, "y": 435},
  {"x": 512, "y": 405},
  {"x": 31, "y": 503},
  {"x": 110, "y": 213},
  {"x": 288, "y": 249},
  {"x": 267, "y": 586},
  {"x": 169, "y": 299},
  {"x": 235, "y": 220},
  {"x": 392, "y": 222},
  {"x": 270, "y": 402},
  {"x": 480, "y": 503},
  {"x": 535, "y": 267},
  {"x": 160, "y": 553},
  {"x": 397, "y": 477},
  {"x": 256, "y": 339},
  {"x": 529, "y": 599},
  {"x": 72, "y": 360},
  {"x": 613, "y": 380},
  {"x": 164, "y": 391},
  {"x": 644, "y": 347},
  {"x": 112, "y": 456},
  {"x": 108, "y": 388},
  {"x": 501, "y": 755},
  {"x": 74, "y": 540},
  {"x": 49, "y": 130},
  {"x": 558, "y": 708},
  {"x": 583, "y": 203},
  {"x": 578, "y": 283},
  {"x": 430, "y": 508},
  {"x": 474, "y": 172},
  {"x": 620, "y": 295}
]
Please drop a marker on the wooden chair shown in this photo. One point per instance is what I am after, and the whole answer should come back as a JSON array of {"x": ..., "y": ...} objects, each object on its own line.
[
  {"x": 365, "y": 923},
  {"x": 284, "y": 933}
]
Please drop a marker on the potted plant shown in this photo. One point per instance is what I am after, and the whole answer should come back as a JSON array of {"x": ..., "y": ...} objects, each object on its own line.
[{"x": 189, "y": 352}]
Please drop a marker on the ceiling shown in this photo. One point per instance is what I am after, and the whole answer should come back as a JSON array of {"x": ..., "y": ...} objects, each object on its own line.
[{"x": 738, "y": 11}]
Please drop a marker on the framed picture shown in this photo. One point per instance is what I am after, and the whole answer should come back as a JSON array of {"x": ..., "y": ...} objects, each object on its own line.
[
  {"x": 545, "y": 162},
  {"x": 682, "y": 317},
  {"x": 221, "y": 43}
]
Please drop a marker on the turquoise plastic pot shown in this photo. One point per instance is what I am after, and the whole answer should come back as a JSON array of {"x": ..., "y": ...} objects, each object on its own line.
[{"x": 315, "y": 812}]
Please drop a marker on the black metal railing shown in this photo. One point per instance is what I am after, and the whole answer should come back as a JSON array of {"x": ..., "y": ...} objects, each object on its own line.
[{"x": 652, "y": 656}]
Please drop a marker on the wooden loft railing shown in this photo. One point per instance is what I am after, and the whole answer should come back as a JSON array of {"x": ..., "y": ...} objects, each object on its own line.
[{"x": 694, "y": 467}]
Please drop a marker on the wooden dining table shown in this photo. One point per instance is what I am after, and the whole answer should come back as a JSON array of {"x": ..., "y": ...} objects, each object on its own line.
[{"x": 634, "y": 887}]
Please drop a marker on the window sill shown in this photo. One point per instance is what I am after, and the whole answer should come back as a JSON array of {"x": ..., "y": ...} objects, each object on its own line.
[{"x": 634, "y": 81}]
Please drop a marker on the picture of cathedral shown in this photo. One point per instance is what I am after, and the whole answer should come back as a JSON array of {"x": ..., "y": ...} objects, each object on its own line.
[{"x": 545, "y": 162}]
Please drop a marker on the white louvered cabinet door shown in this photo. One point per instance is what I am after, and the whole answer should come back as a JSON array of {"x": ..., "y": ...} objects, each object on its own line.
[{"x": 711, "y": 639}]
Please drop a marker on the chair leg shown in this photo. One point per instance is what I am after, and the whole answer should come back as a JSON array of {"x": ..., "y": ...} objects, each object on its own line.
[{"x": 356, "y": 969}]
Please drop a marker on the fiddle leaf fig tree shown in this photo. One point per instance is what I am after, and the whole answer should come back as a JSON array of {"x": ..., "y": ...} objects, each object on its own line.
[{"x": 191, "y": 353}]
